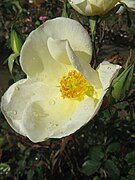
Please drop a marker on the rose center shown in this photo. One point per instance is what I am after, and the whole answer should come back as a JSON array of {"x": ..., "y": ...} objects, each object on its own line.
[{"x": 75, "y": 86}]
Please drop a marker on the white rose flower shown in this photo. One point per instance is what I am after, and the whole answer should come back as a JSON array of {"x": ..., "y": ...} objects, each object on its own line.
[
  {"x": 61, "y": 92},
  {"x": 93, "y": 7}
]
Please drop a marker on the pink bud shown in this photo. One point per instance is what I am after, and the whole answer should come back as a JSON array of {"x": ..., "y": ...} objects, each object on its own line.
[{"x": 43, "y": 18}]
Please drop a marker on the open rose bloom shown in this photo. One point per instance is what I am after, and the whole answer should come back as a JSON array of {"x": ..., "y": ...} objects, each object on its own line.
[
  {"x": 93, "y": 7},
  {"x": 61, "y": 92}
]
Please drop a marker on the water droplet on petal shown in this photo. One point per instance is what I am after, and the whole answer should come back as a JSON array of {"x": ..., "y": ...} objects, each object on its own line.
[
  {"x": 52, "y": 102},
  {"x": 17, "y": 88},
  {"x": 52, "y": 125},
  {"x": 72, "y": 58},
  {"x": 62, "y": 132},
  {"x": 86, "y": 107},
  {"x": 14, "y": 112}
]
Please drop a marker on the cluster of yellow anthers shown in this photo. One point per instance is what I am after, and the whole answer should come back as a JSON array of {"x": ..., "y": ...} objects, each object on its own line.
[{"x": 74, "y": 85}]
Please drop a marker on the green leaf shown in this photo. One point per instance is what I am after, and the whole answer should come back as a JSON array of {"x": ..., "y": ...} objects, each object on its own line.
[
  {"x": 16, "y": 42},
  {"x": 113, "y": 147},
  {"x": 89, "y": 167},
  {"x": 132, "y": 177},
  {"x": 132, "y": 171},
  {"x": 64, "y": 11},
  {"x": 63, "y": 1},
  {"x": 122, "y": 84},
  {"x": 11, "y": 61},
  {"x": 37, "y": 23},
  {"x": 96, "y": 153},
  {"x": 112, "y": 169},
  {"x": 4, "y": 169},
  {"x": 2, "y": 141},
  {"x": 17, "y": 75},
  {"x": 96, "y": 178},
  {"x": 130, "y": 158},
  {"x": 17, "y": 5},
  {"x": 66, "y": 8},
  {"x": 30, "y": 174}
]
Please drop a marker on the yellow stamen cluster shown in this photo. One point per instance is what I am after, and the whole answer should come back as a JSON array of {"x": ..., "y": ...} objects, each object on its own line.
[{"x": 75, "y": 86}]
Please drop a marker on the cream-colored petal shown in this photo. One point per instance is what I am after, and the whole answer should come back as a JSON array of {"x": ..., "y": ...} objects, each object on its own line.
[
  {"x": 35, "y": 58},
  {"x": 76, "y": 1},
  {"x": 79, "y": 118},
  {"x": 83, "y": 7},
  {"x": 12, "y": 107},
  {"x": 36, "y": 110},
  {"x": 62, "y": 51},
  {"x": 89, "y": 73},
  {"x": 111, "y": 71},
  {"x": 37, "y": 62},
  {"x": 17, "y": 99},
  {"x": 57, "y": 49},
  {"x": 107, "y": 72},
  {"x": 42, "y": 118},
  {"x": 83, "y": 114},
  {"x": 68, "y": 29}
]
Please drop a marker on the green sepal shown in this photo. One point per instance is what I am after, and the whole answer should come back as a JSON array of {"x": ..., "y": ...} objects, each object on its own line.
[
  {"x": 122, "y": 84},
  {"x": 93, "y": 27},
  {"x": 11, "y": 60}
]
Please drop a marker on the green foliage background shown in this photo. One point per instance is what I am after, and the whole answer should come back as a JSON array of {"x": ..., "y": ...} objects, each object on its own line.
[{"x": 105, "y": 147}]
